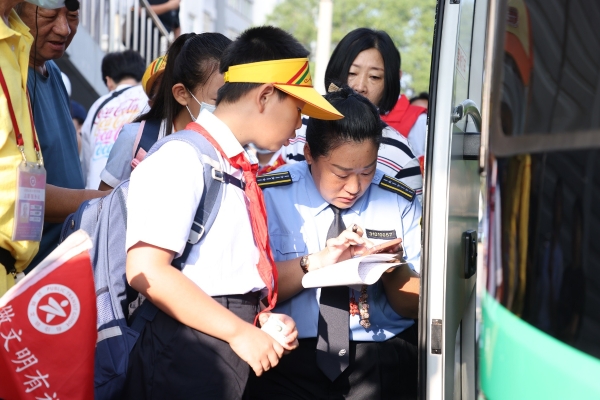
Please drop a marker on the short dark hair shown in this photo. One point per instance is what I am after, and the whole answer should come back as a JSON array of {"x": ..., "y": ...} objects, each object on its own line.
[
  {"x": 191, "y": 60},
  {"x": 78, "y": 111},
  {"x": 120, "y": 65},
  {"x": 361, "y": 123},
  {"x": 421, "y": 96},
  {"x": 262, "y": 43},
  {"x": 357, "y": 41}
]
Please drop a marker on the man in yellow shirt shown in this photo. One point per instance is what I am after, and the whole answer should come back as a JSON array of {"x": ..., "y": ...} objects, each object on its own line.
[{"x": 15, "y": 44}]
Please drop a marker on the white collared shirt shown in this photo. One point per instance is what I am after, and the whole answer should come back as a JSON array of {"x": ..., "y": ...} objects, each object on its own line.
[{"x": 164, "y": 194}]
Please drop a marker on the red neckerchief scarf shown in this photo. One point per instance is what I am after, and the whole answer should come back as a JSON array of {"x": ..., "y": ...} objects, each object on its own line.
[
  {"x": 272, "y": 167},
  {"x": 258, "y": 216}
]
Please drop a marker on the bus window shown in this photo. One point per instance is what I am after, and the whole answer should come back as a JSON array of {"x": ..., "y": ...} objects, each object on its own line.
[
  {"x": 543, "y": 263},
  {"x": 551, "y": 62}
]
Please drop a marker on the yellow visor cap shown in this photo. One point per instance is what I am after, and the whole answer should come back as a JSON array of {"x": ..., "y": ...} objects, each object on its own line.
[
  {"x": 154, "y": 70},
  {"x": 291, "y": 76}
]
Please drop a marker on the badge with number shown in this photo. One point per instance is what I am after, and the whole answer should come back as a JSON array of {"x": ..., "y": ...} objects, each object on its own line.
[{"x": 29, "y": 205}]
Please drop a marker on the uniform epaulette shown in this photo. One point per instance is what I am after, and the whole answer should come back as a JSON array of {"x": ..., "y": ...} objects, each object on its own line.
[
  {"x": 398, "y": 187},
  {"x": 274, "y": 179}
]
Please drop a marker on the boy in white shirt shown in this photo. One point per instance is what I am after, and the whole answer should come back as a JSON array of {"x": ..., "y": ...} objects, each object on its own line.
[
  {"x": 122, "y": 73},
  {"x": 203, "y": 338}
]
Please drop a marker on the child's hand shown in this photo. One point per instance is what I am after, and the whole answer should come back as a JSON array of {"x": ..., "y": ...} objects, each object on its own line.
[
  {"x": 289, "y": 333},
  {"x": 257, "y": 348}
]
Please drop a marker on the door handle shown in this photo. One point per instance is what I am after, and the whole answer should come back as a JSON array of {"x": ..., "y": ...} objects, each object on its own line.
[
  {"x": 467, "y": 107},
  {"x": 471, "y": 140}
]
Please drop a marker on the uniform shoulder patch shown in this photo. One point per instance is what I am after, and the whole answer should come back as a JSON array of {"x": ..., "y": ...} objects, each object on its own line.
[
  {"x": 398, "y": 187},
  {"x": 274, "y": 179}
]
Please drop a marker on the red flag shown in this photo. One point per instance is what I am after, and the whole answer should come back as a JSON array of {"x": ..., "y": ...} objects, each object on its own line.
[{"x": 48, "y": 328}]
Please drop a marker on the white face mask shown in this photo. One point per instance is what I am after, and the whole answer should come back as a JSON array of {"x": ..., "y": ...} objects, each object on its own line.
[
  {"x": 209, "y": 107},
  {"x": 49, "y": 4},
  {"x": 203, "y": 106}
]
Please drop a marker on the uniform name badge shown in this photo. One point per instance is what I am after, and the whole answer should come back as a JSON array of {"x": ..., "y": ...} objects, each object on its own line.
[{"x": 30, "y": 202}]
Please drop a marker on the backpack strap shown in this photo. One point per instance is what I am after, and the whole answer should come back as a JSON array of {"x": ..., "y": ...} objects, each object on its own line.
[
  {"x": 204, "y": 217},
  {"x": 214, "y": 178},
  {"x": 147, "y": 135},
  {"x": 109, "y": 98}
]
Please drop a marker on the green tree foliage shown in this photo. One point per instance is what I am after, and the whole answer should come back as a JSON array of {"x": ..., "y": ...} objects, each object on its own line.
[{"x": 409, "y": 23}]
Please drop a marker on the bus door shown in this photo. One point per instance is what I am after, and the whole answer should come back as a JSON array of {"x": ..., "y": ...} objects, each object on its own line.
[{"x": 451, "y": 203}]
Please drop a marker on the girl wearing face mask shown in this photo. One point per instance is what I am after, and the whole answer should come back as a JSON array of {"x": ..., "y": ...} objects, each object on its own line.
[
  {"x": 189, "y": 85},
  {"x": 369, "y": 62}
]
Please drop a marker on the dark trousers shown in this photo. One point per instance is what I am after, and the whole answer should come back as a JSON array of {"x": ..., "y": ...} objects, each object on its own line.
[
  {"x": 377, "y": 370},
  {"x": 173, "y": 361}
]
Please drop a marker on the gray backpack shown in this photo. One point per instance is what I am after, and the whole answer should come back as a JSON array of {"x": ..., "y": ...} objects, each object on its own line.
[{"x": 105, "y": 221}]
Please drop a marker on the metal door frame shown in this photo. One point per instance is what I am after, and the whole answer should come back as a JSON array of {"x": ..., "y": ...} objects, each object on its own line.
[{"x": 432, "y": 372}]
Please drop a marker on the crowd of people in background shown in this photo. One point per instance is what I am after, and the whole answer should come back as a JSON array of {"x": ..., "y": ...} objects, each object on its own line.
[{"x": 364, "y": 172}]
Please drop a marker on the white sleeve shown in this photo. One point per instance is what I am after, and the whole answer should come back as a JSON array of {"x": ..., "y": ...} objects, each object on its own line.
[
  {"x": 417, "y": 135},
  {"x": 164, "y": 194},
  {"x": 88, "y": 140}
]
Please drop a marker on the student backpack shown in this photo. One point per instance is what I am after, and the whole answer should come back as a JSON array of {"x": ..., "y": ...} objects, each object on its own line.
[
  {"x": 146, "y": 137},
  {"x": 105, "y": 220}
]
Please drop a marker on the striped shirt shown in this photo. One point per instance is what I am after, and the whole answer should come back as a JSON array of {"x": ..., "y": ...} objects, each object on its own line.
[{"x": 395, "y": 157}]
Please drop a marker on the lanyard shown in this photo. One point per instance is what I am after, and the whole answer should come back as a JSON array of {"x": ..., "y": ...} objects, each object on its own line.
[{"x": 18, "y": 135}]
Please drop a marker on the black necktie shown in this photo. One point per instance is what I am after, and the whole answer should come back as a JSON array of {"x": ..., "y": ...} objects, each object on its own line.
[{"x": 333, "y": 343}]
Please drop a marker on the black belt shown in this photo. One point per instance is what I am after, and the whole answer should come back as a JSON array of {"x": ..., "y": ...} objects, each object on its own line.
[
  {"x": 250, "y": 298},
  {"x": 8, "y": 261}
]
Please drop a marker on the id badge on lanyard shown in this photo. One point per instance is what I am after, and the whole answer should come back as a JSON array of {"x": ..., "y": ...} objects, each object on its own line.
[
  {"x": 31, "y": 182},
  {"x": 30, "y": 201}
]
